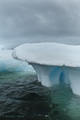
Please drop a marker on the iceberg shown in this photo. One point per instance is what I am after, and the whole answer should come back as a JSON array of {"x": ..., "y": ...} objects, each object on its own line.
[
  {"x": 8, "y": 64},
  {"x": 54, "y": 63}
]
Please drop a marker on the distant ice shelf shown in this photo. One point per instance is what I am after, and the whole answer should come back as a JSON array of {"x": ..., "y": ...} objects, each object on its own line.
[
  {"x": 8, "y": 64},
  {"x": 54, "y": 63},
  {"x": 12, "y": 65}
]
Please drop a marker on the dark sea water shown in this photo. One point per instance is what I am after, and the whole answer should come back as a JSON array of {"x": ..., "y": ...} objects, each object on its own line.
[{"x": 22, "y": 97}]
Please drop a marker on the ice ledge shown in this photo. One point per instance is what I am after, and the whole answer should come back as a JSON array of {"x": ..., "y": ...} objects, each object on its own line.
[{"x": 49, "y": 54}]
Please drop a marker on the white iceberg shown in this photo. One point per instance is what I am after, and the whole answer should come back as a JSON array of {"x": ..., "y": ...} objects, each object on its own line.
[{"x": 54, "y": 63}]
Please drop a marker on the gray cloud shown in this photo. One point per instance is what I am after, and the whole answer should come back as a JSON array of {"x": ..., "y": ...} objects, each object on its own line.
[{"x": 39, "y": 20}]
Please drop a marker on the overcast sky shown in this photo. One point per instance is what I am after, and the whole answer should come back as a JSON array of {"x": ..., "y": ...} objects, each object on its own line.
[{"x": 24, "y": 21}]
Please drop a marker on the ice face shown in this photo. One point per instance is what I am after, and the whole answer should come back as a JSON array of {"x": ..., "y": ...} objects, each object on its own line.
[
  {"x": 51, "y": 75},
  {"x": 74, "y": 77},
  {"x": 54, "y": 63}
]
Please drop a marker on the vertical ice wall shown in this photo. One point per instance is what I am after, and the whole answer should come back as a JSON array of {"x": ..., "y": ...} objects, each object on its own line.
[
  {"x": 74, "y": 77},
  {"x": 51, "y": 75}
]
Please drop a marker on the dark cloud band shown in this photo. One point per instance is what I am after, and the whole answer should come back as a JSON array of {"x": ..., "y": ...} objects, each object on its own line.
[{"x": 34, "y": 20}]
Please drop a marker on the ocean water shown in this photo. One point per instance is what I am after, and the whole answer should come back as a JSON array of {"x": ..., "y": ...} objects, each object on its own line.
[{"x": 22, "y": 97}]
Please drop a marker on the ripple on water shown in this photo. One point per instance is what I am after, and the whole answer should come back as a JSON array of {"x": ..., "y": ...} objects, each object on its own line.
[{"x": 23, "y": 97}]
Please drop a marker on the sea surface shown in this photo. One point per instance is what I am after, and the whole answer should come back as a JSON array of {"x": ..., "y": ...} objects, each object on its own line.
[{"x": 22, "y": 97}]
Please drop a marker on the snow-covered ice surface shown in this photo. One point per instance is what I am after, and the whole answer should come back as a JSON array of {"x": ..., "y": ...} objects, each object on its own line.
[
  {"x": 8, "y": 64},
  {"x": 54, "y": 63},
  {"x": 49, "y": 54}
]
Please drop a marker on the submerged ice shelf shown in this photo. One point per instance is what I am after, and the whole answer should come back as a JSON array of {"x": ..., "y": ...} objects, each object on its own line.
[{"x": 54, "y": 63}]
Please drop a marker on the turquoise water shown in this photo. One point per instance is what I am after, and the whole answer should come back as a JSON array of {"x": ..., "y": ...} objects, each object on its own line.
[
  {"x": 68, "y": 104},
  {"x": 23, "y": 97}
]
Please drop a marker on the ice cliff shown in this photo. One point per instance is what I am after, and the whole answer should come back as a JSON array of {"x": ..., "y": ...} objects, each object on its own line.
[{"x": 54, "y": 63}]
